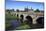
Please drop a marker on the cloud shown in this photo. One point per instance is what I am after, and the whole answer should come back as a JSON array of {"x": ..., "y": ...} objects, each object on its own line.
[{"x": 30, "y": 0}]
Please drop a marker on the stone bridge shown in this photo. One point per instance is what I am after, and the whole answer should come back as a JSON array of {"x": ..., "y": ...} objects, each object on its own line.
[{"x": 25, "y": 14}]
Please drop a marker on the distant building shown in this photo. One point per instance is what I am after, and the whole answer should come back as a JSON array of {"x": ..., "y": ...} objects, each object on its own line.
[{"x": 27, "y": 9}]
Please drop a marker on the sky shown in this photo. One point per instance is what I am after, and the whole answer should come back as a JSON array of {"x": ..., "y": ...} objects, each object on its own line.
[{"x": 23, "y": 4}]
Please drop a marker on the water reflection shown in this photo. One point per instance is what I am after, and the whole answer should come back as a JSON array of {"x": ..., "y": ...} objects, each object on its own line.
[{"x": 15, "y": 23}]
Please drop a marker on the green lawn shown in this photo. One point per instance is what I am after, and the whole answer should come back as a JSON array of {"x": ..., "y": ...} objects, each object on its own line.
[{"x": 10, "y": 17}]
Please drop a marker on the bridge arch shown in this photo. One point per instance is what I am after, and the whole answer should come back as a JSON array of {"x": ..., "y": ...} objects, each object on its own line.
[
  {"x": 22, "y": 16},
  {"x": 40, "y": 20},
  {"x": 29, "y": 18}
]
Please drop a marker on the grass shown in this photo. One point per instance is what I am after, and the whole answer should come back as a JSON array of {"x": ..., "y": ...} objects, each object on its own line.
[
  {"x": 23, "y": 26},
  {"x": 10, "y": 17}
]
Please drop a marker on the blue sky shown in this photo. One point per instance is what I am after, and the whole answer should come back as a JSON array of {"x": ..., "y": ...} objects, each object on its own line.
[{"x": 21, "y": 5}]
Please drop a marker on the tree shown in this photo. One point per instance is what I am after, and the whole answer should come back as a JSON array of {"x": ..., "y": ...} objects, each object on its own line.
[
  {"x": 12, "y": 9},
  {"x": 37, "y": 10},
  {"x": 17, "y": 10},
  {"x": 7, "y": 10}
]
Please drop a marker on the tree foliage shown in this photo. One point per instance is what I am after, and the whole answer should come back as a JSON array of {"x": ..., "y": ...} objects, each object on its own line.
[
  {"x": 17, "y": 10},
  {"x": 9, "y": 10},
  {"x": 37, "y": 10}
]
